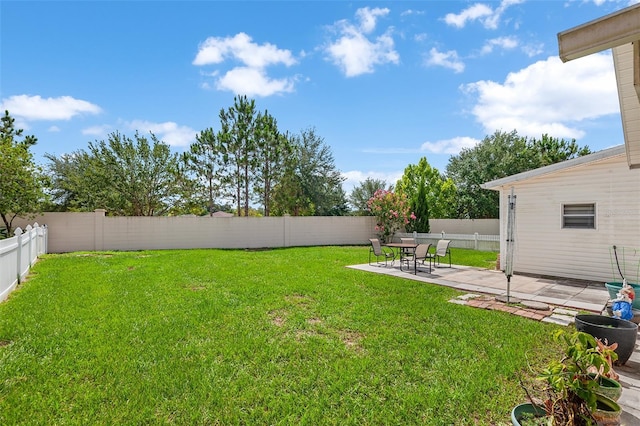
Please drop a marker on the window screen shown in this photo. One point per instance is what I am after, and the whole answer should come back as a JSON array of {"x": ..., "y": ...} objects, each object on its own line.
[{"x": 579, "y": 216}]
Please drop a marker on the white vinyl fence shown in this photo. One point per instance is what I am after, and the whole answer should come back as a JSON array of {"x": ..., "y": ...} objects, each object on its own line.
[
  {"x": 18, "y": 254},
  {"x": 469, "y": 241}
]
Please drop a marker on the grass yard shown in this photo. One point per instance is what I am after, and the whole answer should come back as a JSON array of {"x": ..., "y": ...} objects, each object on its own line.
[{"x": 287, "y": 336}]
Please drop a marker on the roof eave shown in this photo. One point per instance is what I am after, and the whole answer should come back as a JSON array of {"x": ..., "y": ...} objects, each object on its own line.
[
  {"x": 497, "y": 184},
  {"x": 600, "y": 34}
]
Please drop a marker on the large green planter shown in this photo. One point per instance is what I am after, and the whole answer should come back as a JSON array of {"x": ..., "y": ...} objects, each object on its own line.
[
  {"x": 526, "y": 408},
  {"x": 608, "y": 411},
  {"x": 609, "y": 387},
  {"x": 611, "y": 330}
]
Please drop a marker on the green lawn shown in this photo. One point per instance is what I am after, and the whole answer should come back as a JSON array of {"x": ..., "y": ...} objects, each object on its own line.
[{"x": 286, "y": 336}]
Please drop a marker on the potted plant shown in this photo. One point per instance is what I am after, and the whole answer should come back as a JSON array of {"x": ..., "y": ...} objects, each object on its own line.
[
  {"x": 571, "y": 394},
  {"x": 611, "y": 330}
]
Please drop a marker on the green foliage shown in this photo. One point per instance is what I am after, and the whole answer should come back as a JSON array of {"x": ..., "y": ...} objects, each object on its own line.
[
  {"x": 361, "y": 194},
  {"x": 311, "y": 184},
  {"x": 500, "y": 155},
  {"x": 128, "y": 177},
  {"x": 204, "y": 162},
  {"x": 248, "y": 160},
  {"x": 438, "y": 195},
  {"x": 392, "y": 212},
  {"x": 272, "y": 150},
  {"x": 420, "y": 207},
  {"x": 287, "y": 336},
  {"x": 573, "y": 388},
  {"x": 21, "y": 181},
  {"x": 237, "y": 138}
]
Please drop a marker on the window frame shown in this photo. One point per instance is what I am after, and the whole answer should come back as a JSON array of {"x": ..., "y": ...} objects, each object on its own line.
[{"x": 591, "y": 218}]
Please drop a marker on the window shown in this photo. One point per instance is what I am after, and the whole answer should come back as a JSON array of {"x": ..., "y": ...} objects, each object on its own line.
[{"x": 579, "y": 216}]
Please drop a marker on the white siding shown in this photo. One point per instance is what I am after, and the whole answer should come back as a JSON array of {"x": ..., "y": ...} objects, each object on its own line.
[
  {"x": 544, "y": 248},
  {"x": 629, "y": 102}
]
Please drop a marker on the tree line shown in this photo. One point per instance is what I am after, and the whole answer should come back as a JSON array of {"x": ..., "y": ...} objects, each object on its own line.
[
  {"x": 250, "y": 166},
  {"x": 457, "y": 193},
  {"x": 248, "y": 163}
]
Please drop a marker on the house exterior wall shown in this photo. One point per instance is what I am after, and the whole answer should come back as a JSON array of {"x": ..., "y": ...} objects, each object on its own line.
[{"x": 542, "y": 247}]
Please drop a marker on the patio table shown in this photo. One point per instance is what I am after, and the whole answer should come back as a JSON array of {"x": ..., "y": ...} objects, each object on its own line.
[{"x": 404, "y": 249}]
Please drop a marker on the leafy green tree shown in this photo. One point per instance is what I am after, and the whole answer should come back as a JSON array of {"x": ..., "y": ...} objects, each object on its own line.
[
  {"x": 419, "y": 205},
  {"x": 361, "y": 194},
  {"x": 430, "y": 193},
  {"x": 128, "y": 177},
  {"x": 22, "y": 182},
  {"x": 76, "y": 185},
  {"x": 204, "y": 161},
  {"x": 500, "y": 155},
  {"x": 311, "y": 185},
  {"x": 237, "y": 137},
  {"x": 272, "y": 149},
  {"x": 549, "y": 150}
]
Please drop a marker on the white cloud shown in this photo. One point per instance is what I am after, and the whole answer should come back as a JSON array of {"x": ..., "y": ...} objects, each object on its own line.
[
  {"x": 449, "y": 146},
  {"x": 253, "y": 82},
  {"x": 532, "y": 50},
  {"x": 169, "y": 132},
  {"x": 250, "y": 78},
  {"x": 354, "y": 177},
  {"x": 368, "y": 18},
  {"x": 101, "y": 130},
  {"x": 33, "y": 108},
  {"x": 410, "y": 12},
  {"x": 54, "y": 129},
  {"x": 489, "y": 17},
  {"x": 472, "y": 13},
  {"x": 215, "y": 50},
  {"x": 445, "y": 59},
  {"x": 548, "y": 97},
  {"x": 504, "y": 43},
  {"x": 623, "y": 2},
  {"x": 354, "y": 52}
]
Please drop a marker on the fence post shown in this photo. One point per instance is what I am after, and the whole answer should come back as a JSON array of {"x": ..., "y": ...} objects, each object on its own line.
[
  {"x": 18, "y": 234},
  {"x": 98, "y": 229},
  {"x": 285, "y": 233},
  {"x": 28, "y": 232},
  {"x": 442, "y": 235},
  {"x": 37, "y": 228},
  {"x": 475, "y": 241},
  {"x": 46, "y": 238}
]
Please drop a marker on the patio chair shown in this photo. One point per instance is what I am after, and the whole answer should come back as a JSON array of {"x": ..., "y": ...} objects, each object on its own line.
[
  {"x": 405, "y": 251},
  {"x": 380, "y": 252},
  {"x": 442, "y": 250},
  {"x": 421, "y": 254}
]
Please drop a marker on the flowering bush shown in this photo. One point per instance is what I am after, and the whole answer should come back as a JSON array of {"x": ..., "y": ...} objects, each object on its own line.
[{"x": 391, "y": 211}]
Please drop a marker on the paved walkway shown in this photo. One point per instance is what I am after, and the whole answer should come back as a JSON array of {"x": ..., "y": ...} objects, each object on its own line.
[{"x": 563, "y": 297}]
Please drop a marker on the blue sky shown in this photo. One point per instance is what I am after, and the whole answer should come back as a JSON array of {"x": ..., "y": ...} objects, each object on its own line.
[{"x": 384, "y": 83}]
